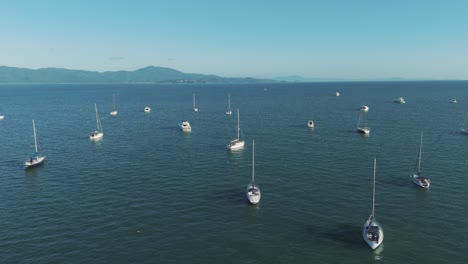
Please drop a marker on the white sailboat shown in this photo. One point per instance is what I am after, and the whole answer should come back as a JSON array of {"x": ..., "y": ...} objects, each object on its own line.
[
  {"x": 228, "y": 111},
  {"x": 253, "y": 192},
  {"x": 236, "y": 144},
  {"x": 418, "y": 179},
  {"x": 310, "y": 124},
  {"x": 147, "y": 109},
  {"x": 195, "y": 108},
  {"x": 361, "y": 128},
  {"x": 372, "y": 231},
  {"x": 37, "y": 159},
  {"x": 114, "y": 111},
  {"x": 99, "y": 133},
  {"x": 400, "y": 100},
  {"x": 185, "y": 126},
  {"x": 2, "y": 117},
  {"x": 337, "y": 93}
]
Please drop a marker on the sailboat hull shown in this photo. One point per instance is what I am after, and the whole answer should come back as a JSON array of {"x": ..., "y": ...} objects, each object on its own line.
[
  {"x": 35, "y": 162},
  {"x": 96, "y": 136},
  {"x": 363, "y": 130},
  {"x": 424, "y": 183},
  {"x": 371, "y": 241},
  {"x": 114, "y": 113},
  {"x": 253, "y": 194},
  {"x": 236, "y": 145}
]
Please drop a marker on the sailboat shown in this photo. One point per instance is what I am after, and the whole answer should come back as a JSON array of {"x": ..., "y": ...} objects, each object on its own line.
[
  {"x": 418, "y": 179},
  {"x": 114, "y": 111},
  {"x": 361, "y": 128},
  {"x": 253, "y": 192},
  {"x": 2, "y": 117},
  {"x": 228, "y": 111},
  {"x": 37, "y": 159},
  {"x": 99, "y": 133},
  {"x": 236, "y": 144},
  {"x": 372, "y": 231},
  {"x": 195, "y": 108}
]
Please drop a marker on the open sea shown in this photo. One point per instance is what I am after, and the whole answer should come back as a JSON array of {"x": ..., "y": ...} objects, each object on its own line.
[{"x": 148, "y": 193}]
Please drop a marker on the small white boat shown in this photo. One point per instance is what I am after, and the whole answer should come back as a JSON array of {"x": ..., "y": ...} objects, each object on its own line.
[
  {"x": 453, "y": 101},
  {"x": 337, "y": 93},
  {"x": 310, "y": 124},
  {"x": 147, "y": 109},
  {"x": 37, "y": 159},
  {"x": 364, "y": 108},
  {"x": 253, "y": 191},
  {"x": 114, "y": 111},
  {"x": 372, "y": 231},
  {"x": 2, "y": 117},
  {"x": 236, "y": 144},
  {"x": 195, "y": 108},
  {"x": 185, "y": 126},
  {"x": 400, "y": 100},
  {"x": 361, "y": 128},
  {"x": 228, "y": 111},
  {"x": 418, "y": 179},
  {"x": 99, "y": 133}
]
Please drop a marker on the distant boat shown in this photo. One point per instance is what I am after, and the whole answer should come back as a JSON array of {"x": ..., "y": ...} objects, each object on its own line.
[
  {"x": 361, "y": 128},
  {"x": 147, "y": 109},
  {"x": 114, "y": 111},
  {"x": 372, "y": 231},
  {"x": 99, "y": 133},
  {"x": 310, "y": 124},
  {"x": 195, "y": 108},
  {"x": 185, "y": 126},
  {"x": 400, "y": 100},
  {"x": 38, "y": 158},
  {"x": 2, "y": 117},
  {"x": 337, "y": 93},
  {"x": 236, "y": 144},
  {"x": 228, "y": 111},
  {"x": 453, "y": 101},
  {"x": 364, "y": 108},
  {"x": 253, "y": 192},
  {"x": 418, "y": 179}
]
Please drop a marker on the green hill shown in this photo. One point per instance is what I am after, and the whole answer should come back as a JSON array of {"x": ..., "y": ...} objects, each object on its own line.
[{"x": 149, "y": 74}]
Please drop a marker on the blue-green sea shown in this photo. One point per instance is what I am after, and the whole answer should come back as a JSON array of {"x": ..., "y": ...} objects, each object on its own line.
[{"x": 148, "y": 193}]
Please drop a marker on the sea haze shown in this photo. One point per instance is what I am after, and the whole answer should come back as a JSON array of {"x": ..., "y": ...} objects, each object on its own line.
[{"x": 148, "y": 193}]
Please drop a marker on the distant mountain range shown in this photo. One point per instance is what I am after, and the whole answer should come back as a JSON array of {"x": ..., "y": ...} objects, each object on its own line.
[{"x": 149, "y": 74}]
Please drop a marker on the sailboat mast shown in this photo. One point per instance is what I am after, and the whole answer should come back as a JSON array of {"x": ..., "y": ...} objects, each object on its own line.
[
  {"x": 253, "y": 162},
  {"x": 114, "y": 101},
  {"x": 35, "y": 139},
  {"x": 420, "y": 151},
  {"x": 373, "y": 189},
  {"x": 97, "y": 118},
  {"x": 238, "y": 124},
  {"x": 194, "y": 100},
  {"x": 229, "y": 101}
]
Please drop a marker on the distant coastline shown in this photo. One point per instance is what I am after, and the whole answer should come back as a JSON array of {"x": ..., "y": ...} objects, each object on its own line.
[
  {"x": 147, "y": 75},
  {"x": 158, "y": 75}
]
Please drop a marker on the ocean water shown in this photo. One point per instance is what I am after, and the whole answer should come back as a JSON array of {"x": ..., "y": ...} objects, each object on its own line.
[{"x": 148, "y": 193}]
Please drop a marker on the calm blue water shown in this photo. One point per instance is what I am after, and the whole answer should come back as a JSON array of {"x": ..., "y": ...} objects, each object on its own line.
[{"x": 147, "y": 193}]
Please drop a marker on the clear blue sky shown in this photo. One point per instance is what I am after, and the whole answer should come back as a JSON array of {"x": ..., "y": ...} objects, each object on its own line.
[{"x": 327, "y": 39}]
